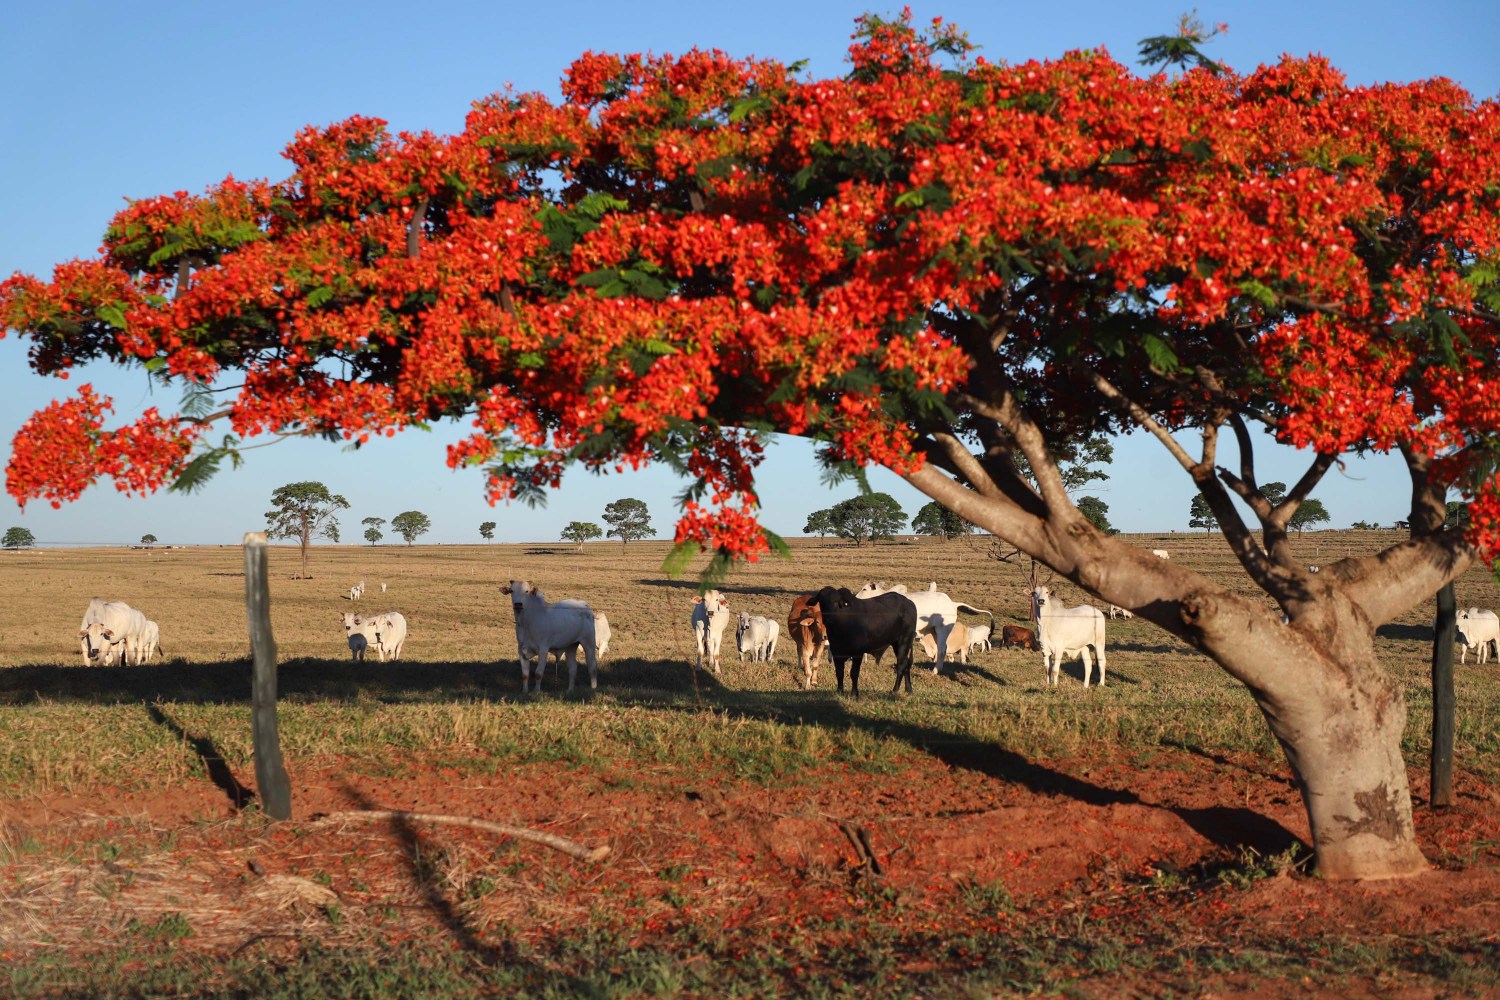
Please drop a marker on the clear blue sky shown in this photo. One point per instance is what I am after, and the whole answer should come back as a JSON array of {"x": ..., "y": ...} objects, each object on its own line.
[{"x": 108, "y": 101}]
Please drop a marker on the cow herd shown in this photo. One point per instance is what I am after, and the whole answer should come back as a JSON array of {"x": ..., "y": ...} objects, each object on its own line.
[{"x": 845, "y": 625}]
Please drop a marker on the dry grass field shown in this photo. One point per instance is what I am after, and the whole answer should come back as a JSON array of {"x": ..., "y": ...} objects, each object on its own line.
[{"x": 1141, "y": 838}]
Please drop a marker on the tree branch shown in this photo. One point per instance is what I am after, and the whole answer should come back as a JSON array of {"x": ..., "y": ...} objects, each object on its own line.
[{"x": 414, "y": 228}]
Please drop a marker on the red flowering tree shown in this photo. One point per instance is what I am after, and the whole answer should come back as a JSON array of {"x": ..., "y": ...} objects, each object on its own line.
[{"x": 951, "y": 268}]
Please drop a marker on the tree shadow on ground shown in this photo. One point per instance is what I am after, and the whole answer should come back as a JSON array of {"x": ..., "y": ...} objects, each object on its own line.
[{"x": 1415, "y": 633}]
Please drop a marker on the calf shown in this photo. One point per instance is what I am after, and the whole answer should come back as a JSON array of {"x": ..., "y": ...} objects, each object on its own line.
[
  {"x": 1016, "y": 636},
  {"x": 958, "y": 642},
  {"x": 110, "y": 630},
  {"x": 710, "y": 618},
  {"x": 359, "y": 632},
  {"x": 150, "y": 642},
  {"x": 857, "y": 626},
  {"x": 805, "y": 625},
  {"x": 757, "y": 635},
  {"x": 979, "y": 635},
  {"x": 1069, "y": 632},
  {"x": 1118, "y": 612},
  {"x": 543, "y": 626}
]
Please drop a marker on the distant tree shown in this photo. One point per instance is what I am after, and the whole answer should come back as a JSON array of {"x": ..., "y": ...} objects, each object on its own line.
[
  {"x": 18, "y": 538},
  {"x": 148, "y": 539},
  {"x": 411, "y": 524},
  {"x": 487, "y": 530},
  {"x": 1310, "y": 512},
  {"x": 819, "y": 521},
  {"x": 1364, "y": 526},
  {"x": 1097, "y": 513},
  {"x": 1274, "y": 493},
  {"x": 1075, "y": 461},
  {"x": 373, "y": 525},
  {"x": 628, "y": 519},
  {"x": 1457, "y": 515},
  {"x": 935, "y": 519},
  {"x": 1200, "y": 516},
  {"x": 302, "y": 510},
  {"x": 579, "y": 532},
  {"x": 870, "y": 516}
]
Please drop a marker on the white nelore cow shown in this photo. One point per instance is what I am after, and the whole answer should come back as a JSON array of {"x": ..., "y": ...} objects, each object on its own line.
[
  {"x": 979, "y": 635},
  {"x": 390, "y": 634},
  {"x": 1161, "y": 553},
  {"x": 1067, "y": 632},
  {"x": 1115, "y": 611},
  {"x": 544, "y": 626},
  {"x": 110, "y": 630},
  {"x": 359, "y": 631},
  {"x": 710, "y": 618},
  {"x": 937, "y": 613},
  {"x": 757, "y": 636},
  {"x": 1477, "y": 627},
  {"x": 602, "y": 634}
]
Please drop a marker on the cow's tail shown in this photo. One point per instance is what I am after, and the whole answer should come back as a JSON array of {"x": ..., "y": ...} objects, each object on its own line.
[{"x": 977, "y": 611}]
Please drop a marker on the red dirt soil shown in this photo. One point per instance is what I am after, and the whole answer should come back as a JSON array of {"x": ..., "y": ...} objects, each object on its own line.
[{"x": 1063, "y": 838}]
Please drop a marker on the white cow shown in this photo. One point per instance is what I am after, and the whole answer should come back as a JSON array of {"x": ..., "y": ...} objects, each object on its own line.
[
  {"x": 1161, "y": 553},
  {"x": 110, "y": 630},
  {"x": 150, "y": 642},
  {"x": 543, "y": 626},
  {"x": 979, "y": 636},
  {"x": 602, "y": 634},
  {"x": 937, "y": 613},
  {"x": 1116, "y": 611},
  {"x": 390, "y": 634},
  {"x": 710, "y": 618},
  {"x": 1477, "y": 627},
  {"x": 356, "y": 592},
  {"x": 1067, "y": 632},
  {"x": 757, "y": 636},
  {"x": 359, "y": 631},
  {"x": 382, "y": 586}
]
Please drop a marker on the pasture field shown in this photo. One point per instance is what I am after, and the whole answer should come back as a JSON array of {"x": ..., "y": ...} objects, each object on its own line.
[{"x": 1138, "y": 839}]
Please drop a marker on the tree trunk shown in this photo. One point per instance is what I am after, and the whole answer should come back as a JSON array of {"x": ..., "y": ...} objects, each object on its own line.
[
  {"x": 1442, "y": 699},
  {"x": 1339, "y": 719}
]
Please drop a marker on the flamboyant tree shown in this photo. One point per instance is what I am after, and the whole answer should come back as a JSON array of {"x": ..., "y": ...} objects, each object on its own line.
[{"x": 953, "y": 268}]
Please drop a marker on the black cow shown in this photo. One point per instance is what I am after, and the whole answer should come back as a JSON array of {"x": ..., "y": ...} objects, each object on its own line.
[{"x": 857, "y": 626}]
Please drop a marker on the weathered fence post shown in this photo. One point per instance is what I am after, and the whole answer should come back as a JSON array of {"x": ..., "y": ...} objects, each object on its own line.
[
  {"x": 270, "y": 773},
  {"x": 1442, "y": 699}
]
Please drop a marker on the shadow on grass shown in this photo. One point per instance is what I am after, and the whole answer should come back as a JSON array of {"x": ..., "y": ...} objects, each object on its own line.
[
  {"x": 213, "y": 761},
  {"x": 668, "y": 685},
  {"x": 1422, "y": 633}
]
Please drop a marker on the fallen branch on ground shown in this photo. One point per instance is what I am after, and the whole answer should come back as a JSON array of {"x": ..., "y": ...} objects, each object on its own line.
[{"x": 519, "y": 832}]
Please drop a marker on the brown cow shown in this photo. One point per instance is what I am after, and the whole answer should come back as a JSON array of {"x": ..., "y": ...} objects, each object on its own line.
[
  {"x": 1014, "y": 635},
  {"x": 805, "y": 623}
]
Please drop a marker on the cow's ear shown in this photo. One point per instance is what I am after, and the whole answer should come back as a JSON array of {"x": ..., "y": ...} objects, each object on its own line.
[
  {"x": 108, "y": 634},
  {"x": 83, "y": 633},
  {"x": 697, "y": 600}
]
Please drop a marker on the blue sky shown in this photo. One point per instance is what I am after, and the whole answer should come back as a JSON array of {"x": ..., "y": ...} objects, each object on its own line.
[{"x": 107, "y": 101}]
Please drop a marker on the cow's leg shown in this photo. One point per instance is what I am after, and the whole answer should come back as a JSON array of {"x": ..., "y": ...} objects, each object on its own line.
[
  {"x": 1087, "y": 659},
  {"x": 1099, "y": 651},
  {"x": 572, "y": 655},
  {"x": 591, "y": 660},
  {"x": 854, "y": 674},
  {"x": 838, "y": 672},
  {"x": 525, "y": 669}
]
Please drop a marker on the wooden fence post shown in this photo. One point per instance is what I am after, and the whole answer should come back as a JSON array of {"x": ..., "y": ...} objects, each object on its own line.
[
  {"x": 270, "y": 773},
  {"x": 1442, "y": 699}
]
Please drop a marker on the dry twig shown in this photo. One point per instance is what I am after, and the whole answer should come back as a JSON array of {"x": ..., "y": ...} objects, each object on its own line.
[{"x": 553, "y": 841}]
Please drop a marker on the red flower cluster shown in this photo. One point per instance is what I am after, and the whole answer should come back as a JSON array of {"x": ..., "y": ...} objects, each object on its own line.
[{"x": 691, "y": 246}]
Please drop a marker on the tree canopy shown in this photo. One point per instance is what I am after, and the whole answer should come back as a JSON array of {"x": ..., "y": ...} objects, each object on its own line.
[
  {"x": 487, "y": 530},
  {"x": 867, "y": 517},
  {"x": 301, "y": 510},
  {"x": 1310, "y": 512},
  {"x": 411, "y": 525},
  {"x": 628, "y": 520},
  {"x": 17, "y": 537},
  {"x": 579, "y": 532},
  {"x": 953, "y": 268},
  {"x": 932, "y": 518},
  {"x": 1096, "y": 512}
]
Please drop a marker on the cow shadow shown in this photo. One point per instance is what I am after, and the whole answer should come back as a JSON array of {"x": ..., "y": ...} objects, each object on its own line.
[{"x": 1422, "y": 633}]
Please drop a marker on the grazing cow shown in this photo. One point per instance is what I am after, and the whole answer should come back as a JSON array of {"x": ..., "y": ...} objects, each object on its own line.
[
  {"x": 979, "y": 635},
  {"x": 382, "y": 586},
  {"x": 1116, "y": 611},
  {"x": 390, "y": 634},
  {"x": 110, "y": 630},
  {"x": 1478, "y": 628},
  {"x": 958, "y": 642},
  {"x": 150, "y": 642},
  {"x": 1314, "y": 569},
  {"x": 805, "y": 625},
  {"x": 1069, "y": 632},
  {"x": 710, "y": 618},
  {"x": 543, "y": 626},
  {"x": 602, "y": 634},
  {"x": 1161, "y": 553},
  {"x": 756, "y": 635},
  {"x": 873, "y": 624},
  {"x": 1017, "y": 636},
  {"x": 937, "y": 613}
]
